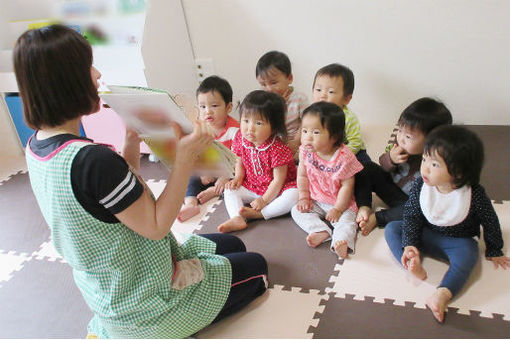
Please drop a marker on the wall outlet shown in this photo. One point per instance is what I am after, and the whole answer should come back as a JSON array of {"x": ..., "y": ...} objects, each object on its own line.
[{"x": 205, "y": 68}]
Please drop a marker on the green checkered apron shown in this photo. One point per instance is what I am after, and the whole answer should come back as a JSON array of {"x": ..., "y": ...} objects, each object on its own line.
[{"x": 126, "y": 279}]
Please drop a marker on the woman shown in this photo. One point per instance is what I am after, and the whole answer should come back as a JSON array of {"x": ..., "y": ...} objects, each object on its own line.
[{"x": 132, "y": 273}]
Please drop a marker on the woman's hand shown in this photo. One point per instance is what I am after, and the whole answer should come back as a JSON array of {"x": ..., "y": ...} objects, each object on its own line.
[
  {"x": 219, "y": 186},
  {"x": 501, "y": 261},
  {"x": 191, "y": 146}
]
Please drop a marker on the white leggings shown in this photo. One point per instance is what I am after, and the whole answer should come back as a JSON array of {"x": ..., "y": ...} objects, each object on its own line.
[
  {"x": 281, "y": 205},
  {"x": 312, "y": 222}
]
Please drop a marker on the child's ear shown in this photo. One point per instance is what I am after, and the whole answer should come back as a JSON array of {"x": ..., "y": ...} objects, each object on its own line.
[
  {"x": 291, "y": 78},
  {"x": 229, "y": 107},
  {"x": 347, "y": 99}
]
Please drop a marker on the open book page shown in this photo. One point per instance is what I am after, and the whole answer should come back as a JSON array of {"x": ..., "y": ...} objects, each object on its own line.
[{"x": 151, "y": 111}]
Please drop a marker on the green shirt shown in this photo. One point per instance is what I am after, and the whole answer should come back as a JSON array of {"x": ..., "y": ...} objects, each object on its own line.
[
  {"x": 353, "y": 139},
  {"x": 127, "y": 280}
]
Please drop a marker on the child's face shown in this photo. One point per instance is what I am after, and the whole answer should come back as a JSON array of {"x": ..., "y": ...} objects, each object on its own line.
[
  {"x": 435, "y": 172},
  {"x": 213, "y": 109},
  {"x": 314, "y": 135},
  {"x": 410, "y": 140},
  {"x": 275, "y": 81},
  {"x": 331, "y": 90},
  {"x": 255, "y": 129}
]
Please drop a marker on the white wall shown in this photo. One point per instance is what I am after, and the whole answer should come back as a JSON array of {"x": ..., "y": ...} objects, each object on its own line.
[{"x": 400, "y": 50}]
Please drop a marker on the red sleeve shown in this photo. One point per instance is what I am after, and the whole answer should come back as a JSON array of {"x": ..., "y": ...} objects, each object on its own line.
[
  {"x": 237, "y": 144},
  {"x": 281, "y": 154}
]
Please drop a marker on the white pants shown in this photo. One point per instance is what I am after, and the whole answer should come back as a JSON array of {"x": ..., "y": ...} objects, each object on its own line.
[
  {"x": 281, "y": 205},
  {"x": 345, "y": 228}
]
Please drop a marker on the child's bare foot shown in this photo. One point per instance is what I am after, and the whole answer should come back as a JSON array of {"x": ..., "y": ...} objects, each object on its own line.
[
  {"x": 341, "y": 248},
  {"x": 206, "y": 195},
  {"x": 234, "y": 224},
  {"x": 369, "y": 225},
  {"x": 416, "y": 268},
  {"x": 438, "y": 302},
  {"x": 363, "y": 213},
  {"x": 187, "y": 212},
  {"x": 250, "y": 214},
  {"x": 315, "y": 239}
]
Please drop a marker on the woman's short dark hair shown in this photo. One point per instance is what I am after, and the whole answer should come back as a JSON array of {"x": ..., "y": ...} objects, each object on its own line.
[
  {"x": 425, "y": 114},
  {"x": 338, "y": 70},
  {"x": 218, "y": 84},
  {"x": 332, "y": 118},
  {"x": 276, "y": 59},
  {"x": 53, "y": 70},
  {"x": 271, "y": 108},
  {"x": 461, "y": 150}
]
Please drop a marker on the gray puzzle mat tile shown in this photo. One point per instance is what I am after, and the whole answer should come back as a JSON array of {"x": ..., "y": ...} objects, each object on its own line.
[
  {"x": 42, "y": 301},
  {"x": 291, "y": 262},
  {"x": 349, "y": 318},
  {"x": 23, "y": 228}
]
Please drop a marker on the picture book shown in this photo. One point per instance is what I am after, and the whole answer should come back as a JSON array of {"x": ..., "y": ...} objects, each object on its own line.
[{"x": 150, "y": 112}]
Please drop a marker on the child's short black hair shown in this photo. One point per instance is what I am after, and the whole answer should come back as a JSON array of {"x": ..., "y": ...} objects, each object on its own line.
[
  {"x": 332, "y": 118},
  {"x": 276, "y": 59},
  {"x": 271, "y": 108},
  {"x": 215, "y": 83},
  {"x": 461, "y": 150},
  {"x": 337, "y": 70},
  {"x": 53, "y": 70},
  {"x": 424, "y": 115}
]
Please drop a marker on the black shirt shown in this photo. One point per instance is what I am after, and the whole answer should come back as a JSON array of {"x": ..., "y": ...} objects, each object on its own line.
[{"x": 101, "y": 179}]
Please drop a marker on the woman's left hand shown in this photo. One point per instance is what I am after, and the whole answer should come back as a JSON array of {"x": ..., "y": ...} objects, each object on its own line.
[
  {"x": 258, "y": 204},
  {"x": 501, "y": 261},
  {"x": 333, "y": 215}
]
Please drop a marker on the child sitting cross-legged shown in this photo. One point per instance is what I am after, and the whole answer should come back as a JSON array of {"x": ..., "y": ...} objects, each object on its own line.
[
  {"x": 444, "y": 212},
  {"x": 214, "y": 98},
  {"x": 265, "y": 173},
  {"x": 326, "y": 180}
]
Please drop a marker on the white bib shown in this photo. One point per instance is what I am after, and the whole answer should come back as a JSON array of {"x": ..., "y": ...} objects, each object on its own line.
[{"x": 445, "y": 209}]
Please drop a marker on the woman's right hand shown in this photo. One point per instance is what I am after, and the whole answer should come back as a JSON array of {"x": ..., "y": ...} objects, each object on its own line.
[
  {"x": 234, "y": 183},
  {"x": 191, "y": 146}
]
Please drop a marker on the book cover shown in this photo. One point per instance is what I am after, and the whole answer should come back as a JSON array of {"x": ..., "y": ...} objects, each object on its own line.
[{"x": 150, "y": 112}]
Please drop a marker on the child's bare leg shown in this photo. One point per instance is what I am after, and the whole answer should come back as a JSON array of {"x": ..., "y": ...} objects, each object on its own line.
[
  {"x": 438, "y": 302},
  {"x": 250, "y": 214},
  {"x": 368, "y": 225},
  {"x": 363, "y": 213},
  {"x": 315, "y": 239},
  {"x": 416, "y": 268},
  {"x": 189, "y": 209},
  {"x": 206, "y": 195},
  {"x": 233, "y": 224},
  {"x": 341, "y": 248}
]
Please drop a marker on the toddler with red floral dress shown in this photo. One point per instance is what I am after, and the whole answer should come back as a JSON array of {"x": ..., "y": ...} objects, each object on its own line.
[{"x": 265, "y": 173}]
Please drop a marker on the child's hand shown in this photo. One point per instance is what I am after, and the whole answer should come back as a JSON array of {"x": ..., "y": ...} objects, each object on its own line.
[
  {"x": 220, "y": 185},
  {"x": 398, "y": 154},
  {"x": 234, "y": 183},
  {"x": 258, "y": 204},
  {"x": 206, "y": 179},
  {"x": 333, "y": 215},
  {"x": 502, "y": 261},
  {"x": 409, "y": 253},
  {"x": 304, "y": 205}
]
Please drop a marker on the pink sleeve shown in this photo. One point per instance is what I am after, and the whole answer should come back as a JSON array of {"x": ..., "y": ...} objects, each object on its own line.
[
  {"x": 237, "y": 144},
  {"x": 281, "y": 154},
  {"x": 350, "y": 164}
]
